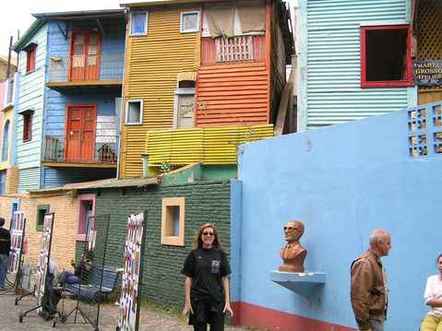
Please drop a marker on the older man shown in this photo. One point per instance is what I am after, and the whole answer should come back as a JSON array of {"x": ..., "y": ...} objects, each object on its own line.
[{"x": 368, "y": 284}]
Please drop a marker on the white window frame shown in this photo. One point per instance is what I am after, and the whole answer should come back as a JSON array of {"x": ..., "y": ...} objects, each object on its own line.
[
  {"x": 127, "y": 111},
  {"x": 145, "y": 27},
  {"x": 198, "y": 21}
]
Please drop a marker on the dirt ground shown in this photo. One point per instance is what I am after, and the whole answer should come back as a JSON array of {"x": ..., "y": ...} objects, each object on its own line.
[{"x": 152, "y": 319}]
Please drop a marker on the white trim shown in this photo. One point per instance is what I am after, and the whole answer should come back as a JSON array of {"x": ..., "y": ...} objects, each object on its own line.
[
  {"x": 198, "y": 21},
  {"x": 145, "y": 26},
  {"x": 127, "y": 111}
]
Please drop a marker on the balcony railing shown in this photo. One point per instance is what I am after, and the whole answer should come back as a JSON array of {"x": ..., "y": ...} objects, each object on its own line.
[{"x": 105, "y": 153}]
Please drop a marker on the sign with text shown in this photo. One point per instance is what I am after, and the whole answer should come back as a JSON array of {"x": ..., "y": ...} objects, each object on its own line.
[{"x": 428, "y": 72}]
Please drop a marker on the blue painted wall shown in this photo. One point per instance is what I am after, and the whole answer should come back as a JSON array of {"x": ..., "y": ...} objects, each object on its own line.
[
  {"x": 111, "y": 67},
  {"x": 31, "y": 90},
  {"x": 342, "y": 181},
  {"x": 112, "y": 48}
]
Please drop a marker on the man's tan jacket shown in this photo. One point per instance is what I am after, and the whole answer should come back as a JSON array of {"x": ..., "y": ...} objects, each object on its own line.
[{"x": 368, "y": 294}]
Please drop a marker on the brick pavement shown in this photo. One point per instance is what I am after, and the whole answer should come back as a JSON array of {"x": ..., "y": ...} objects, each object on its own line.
[{"x": 151, "y": 319}]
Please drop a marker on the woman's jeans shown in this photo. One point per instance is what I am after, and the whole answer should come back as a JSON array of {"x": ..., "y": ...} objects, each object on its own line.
[{"x": 3, "y": 269}]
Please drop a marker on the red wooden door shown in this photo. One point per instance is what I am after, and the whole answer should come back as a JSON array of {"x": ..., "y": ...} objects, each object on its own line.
[
  {"x": 80, "y": 134},
  {"x": 85, "y": 55}
]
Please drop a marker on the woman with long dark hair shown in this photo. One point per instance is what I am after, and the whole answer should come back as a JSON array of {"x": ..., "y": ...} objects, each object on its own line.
[{"x": 206, "y": 287}]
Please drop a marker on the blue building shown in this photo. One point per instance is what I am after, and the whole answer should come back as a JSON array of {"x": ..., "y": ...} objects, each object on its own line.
[
  {"x": 360, "y": 58},
  {"x": 71, "y": 70}
]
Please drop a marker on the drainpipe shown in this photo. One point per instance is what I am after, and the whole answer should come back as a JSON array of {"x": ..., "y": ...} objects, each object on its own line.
[{"x": 145, "y": 159}]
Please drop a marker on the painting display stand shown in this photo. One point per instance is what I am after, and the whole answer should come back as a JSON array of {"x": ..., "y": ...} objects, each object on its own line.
[
  {"x": 17, "y": 230},
  {"x": 93, "y": 275},
  {"x": 43, "y": 264},
  {"x": 129, "y": 311}
]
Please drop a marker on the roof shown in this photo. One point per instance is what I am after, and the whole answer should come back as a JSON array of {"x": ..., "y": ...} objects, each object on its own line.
[
  {"x": 104, "y": 183},
  {"x": 128, "y": 3},
  {"x": 30, "y": 32},
  {"x": 41, "y": 19},
  {"x": 80, "y": 13}
]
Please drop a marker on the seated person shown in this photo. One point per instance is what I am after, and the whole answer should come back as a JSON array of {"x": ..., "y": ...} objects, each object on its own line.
[
  {"x": 51, "y": 295},
  {"x": 433, "y": 298},
  {"x": 81, "y": 269}
]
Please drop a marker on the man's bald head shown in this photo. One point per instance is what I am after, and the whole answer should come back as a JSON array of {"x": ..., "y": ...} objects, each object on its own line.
[{"x": 380, "y": 242}]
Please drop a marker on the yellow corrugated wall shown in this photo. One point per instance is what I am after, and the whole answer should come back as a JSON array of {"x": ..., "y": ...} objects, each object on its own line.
[
  {"x": 152, "y": 65},
  {"x": 216, "y": 146}
]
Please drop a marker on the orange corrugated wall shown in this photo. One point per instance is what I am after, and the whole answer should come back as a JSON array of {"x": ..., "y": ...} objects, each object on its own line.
[{"x": 232, "y": 94}]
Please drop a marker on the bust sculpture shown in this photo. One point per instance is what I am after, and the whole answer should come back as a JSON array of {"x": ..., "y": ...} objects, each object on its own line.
[{"x": 293, "y": 254}]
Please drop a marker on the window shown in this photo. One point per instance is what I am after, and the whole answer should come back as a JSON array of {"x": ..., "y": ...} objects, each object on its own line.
[
  {"x": 386, "y": 56},
  {"x": 172, "y": 222},
  {"x": 27, "y": 126},
  {"x": 31, "y": 51},
  {"x": 87, "y": 211},
  {"x": 2, "y": 182},
  {"x": 134, "y": 112},
  {"x": 190, "y": 21},
  {"x": 42, "y": 210},
  {"x": 5, "y": 143},
  {"x": 138, "y": 23}
]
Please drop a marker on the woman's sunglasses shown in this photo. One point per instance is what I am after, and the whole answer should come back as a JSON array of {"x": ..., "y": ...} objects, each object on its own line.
[{"x": 206, "y": 233}]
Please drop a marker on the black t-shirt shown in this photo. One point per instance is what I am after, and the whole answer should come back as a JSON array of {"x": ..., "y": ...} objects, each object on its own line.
[
  {"x": 206, "y": 267},
  {"x": 5, "y": 242}
]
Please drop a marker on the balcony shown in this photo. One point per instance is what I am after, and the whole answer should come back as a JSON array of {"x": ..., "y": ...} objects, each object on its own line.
[
  {"x": 98, "y": 155},
  {"x": 63, "y": 76},
  {"x": 210, "y": 146}
]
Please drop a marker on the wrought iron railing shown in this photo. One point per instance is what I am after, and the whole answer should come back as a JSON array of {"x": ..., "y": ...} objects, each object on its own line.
[{"x": 54, "y": 152}]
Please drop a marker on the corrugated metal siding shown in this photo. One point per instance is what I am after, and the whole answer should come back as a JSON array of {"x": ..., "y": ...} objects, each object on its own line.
[
  {"x": 216, "y": 146},
  {"x": 153, "y": 62},
  {"x": 333, "y": 93},
  {"x": 31, "y": 96},
  {"x": 28, "y": 179},
  {"x": 232, "y": 94}
]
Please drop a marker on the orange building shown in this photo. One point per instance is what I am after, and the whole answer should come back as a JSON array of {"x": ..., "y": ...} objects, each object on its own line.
[{"x": 201, "y": 77}]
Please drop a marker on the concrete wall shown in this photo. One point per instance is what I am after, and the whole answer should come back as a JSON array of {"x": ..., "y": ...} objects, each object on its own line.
[{"x": 342, "y": 181}]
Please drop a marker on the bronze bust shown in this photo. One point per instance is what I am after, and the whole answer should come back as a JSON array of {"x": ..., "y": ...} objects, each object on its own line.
[{"x": 293, "y": 254}]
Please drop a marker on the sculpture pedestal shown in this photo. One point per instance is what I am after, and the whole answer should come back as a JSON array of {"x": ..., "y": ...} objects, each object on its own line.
[{"x": 303, "y": 283}]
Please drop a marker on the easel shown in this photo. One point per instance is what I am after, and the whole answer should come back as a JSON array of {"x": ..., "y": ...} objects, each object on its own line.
[
  {"x": 17, "y": 229},
  {"x": 43, "y": 265}
]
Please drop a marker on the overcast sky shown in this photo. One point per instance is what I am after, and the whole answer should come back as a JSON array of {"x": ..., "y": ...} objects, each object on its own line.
[{"x": 16, "y": 15}]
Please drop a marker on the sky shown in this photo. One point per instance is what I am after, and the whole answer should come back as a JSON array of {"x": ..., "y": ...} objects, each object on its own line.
[{"x": 16, "y": 15}]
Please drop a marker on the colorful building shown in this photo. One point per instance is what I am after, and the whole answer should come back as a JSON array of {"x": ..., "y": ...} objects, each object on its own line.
[
  {"x": 8, "y": 169},
  {"x": 200, "y": 79},
  {"x": 71, "y": 70},
  {"x": 357, "y": 58}
]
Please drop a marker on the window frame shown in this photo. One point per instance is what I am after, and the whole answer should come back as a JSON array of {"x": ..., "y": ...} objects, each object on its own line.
[
  {"x": 198, "y": 21},
  {"x": 183, "y": 91},
  {"x": 5, "y": 141},
  {"x": 27, "y": 126},
  {"x": 146, "y": 23},
  {"x": 39, "y": 227},
  {"x": 173, "y": 202},
  {"x": 31, "y": 56},
  {"x": 408, "y": 81},
  {"x": 141, "y": 101}
]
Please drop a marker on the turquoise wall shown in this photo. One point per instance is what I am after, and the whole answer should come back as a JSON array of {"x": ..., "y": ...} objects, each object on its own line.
[{"x": 343, "y": 181}]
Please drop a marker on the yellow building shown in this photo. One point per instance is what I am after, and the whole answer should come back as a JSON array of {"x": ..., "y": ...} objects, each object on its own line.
[{"x": 199, "y": 80}]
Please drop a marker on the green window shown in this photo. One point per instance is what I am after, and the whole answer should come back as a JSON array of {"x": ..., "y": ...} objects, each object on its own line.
[{"x": 42, "y": 210}]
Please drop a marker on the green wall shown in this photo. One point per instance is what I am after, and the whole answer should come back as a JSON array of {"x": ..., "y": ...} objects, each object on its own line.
[{"x": 205, "y": 202}]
